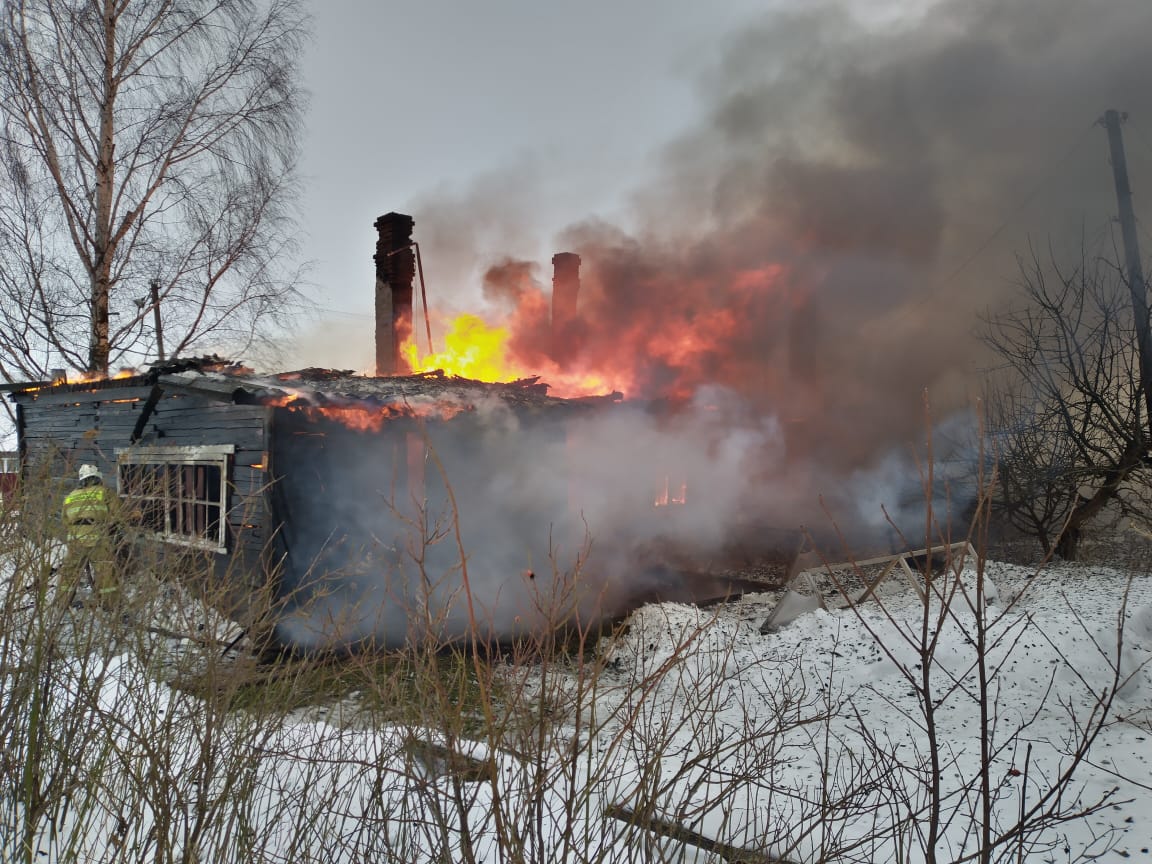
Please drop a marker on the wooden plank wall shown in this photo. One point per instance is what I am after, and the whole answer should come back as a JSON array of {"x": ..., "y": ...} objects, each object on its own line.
[
  {"x": 189, "y": 421},
  {"x": 62, "y": 431}
]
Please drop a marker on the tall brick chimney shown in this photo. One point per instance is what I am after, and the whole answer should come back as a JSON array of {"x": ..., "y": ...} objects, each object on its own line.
[
  {"x": 395, "y": 272},
  {"x": 565, "y": 294}
]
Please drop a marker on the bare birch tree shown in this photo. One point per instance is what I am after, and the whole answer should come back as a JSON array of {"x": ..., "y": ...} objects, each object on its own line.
[
  {"x": 144, "y": 143},
  {"x": 1068, "y": 420}
]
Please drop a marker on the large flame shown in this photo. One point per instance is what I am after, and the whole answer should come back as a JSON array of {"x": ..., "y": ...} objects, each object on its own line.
[
  {"x": 659, "y": 335},
  {"x": 472, "y": 349},
  {"x": 475, "y": 349}
]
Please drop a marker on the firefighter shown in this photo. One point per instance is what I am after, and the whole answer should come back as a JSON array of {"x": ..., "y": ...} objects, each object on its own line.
[{"x": 91, "y": 517}]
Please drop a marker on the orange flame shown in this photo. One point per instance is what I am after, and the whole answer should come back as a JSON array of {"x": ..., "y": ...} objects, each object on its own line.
[
  {"x": 655, "y": 334},
  {"x": 671, "y": 495},
  {"x": 473, "y": 350},
  {"x": 363, "y": 418},
  {"x": 89, "y": 377},
  {"x": 480, "y": 351}
]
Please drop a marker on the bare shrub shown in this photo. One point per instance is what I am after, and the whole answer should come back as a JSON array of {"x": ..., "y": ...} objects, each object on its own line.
[{"x": 681, "y": 735}]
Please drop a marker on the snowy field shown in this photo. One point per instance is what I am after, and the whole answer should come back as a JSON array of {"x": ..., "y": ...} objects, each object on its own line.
[
  {"x": 1053, "y": 661},
  {"x": 845, "y": 735}
]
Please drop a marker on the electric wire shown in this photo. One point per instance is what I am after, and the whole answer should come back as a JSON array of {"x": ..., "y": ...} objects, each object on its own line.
[
  {"x": 1139, "y": 135},
  {"x": 1042, "y": 183},
  {"x": 342, "y": 312},
  {"x": 1021, "y": 204}
]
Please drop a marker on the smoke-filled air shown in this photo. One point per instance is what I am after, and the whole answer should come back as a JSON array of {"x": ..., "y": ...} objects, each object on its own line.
[{"x": 791, "y": 307}]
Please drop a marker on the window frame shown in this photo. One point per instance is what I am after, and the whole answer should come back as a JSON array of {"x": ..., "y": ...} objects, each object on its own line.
[{"x": 208, "y": 455}]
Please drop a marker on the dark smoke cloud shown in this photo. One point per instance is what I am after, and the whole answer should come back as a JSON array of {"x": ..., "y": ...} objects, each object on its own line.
[
  {"x": 873, "y": 166},
  {"x": 462, "y": 230},
  {"x": 514, "y": 287},
  {"x": 836, "y": 215}
]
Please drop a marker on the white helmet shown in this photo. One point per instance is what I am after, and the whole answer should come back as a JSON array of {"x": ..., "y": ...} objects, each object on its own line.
[{"x": 87, "y": 471}]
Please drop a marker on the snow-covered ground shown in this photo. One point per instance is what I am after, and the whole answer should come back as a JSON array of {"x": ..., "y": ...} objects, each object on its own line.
[
  {"x": 809, "y": 743},
  {"x": 1051, "y": 665}
]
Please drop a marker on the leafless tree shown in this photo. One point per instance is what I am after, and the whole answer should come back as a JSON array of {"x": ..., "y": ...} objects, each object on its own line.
[
  {"x": 143, "y": 143},
  {"x": 1034, "y": 458},
  {"x": 1067, "y": 415}
]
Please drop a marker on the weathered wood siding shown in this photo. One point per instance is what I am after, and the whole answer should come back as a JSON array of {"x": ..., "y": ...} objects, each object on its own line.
[{"x": 63, "y": 429}]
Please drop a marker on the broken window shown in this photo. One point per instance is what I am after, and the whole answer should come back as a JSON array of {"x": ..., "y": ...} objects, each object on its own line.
[{"x": 178, "y": 493}]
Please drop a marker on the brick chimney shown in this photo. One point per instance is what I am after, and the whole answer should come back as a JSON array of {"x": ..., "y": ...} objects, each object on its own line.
[
  {"x": 565, "y": 294},
  {"x": 395, "y": 272}
]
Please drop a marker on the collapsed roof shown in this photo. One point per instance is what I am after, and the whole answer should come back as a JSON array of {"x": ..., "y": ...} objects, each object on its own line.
[{"x": 398, "y": 395}]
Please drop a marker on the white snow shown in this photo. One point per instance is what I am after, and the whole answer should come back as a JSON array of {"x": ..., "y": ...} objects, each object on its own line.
[{"x": 810, "y": 743}]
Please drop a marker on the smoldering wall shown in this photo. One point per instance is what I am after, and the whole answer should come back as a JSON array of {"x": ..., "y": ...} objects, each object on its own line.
[
  {"x": 426, "y": 529},
  {"x": 501, "y": 522}
]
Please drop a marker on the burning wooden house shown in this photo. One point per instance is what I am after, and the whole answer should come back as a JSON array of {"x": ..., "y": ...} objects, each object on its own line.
[
  {"x": 321, "y": 483},
  {"x": 378, "y": 507},
  {"x": 341, "y": 492}
]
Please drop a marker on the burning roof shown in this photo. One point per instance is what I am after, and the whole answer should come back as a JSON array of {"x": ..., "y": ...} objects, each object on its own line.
[
  {"x": 421, "y": 394},
  {"x": 428, "y": 394}
]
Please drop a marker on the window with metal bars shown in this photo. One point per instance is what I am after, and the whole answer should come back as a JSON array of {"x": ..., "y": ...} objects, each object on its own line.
[{"x": 179, "y": 493}]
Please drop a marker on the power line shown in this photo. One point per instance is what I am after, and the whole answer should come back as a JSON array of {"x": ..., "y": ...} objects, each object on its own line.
[
  {"x": 1106, "y": 230},
  {"x": 1139, "y": 134},
  {"x": 1021, "y": 204},
  {"x": 342, "y": 312}
]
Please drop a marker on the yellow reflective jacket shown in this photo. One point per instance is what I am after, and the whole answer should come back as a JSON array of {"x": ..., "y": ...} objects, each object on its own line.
[{"x": 88, "y": 515}]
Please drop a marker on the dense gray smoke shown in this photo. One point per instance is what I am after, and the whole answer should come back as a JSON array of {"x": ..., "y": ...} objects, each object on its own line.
[
  {"x": 584, "y": 510},
  {"x": 853, "y": 196},
  {"x": 808, "y": 263}
]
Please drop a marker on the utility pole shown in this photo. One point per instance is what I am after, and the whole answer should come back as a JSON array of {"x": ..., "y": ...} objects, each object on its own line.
[
  {"x": 156, "y": 317},
  {"x": 1136, "y": 284}
]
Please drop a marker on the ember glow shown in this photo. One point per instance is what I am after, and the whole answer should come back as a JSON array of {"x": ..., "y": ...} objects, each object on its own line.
[
  {"x": 368, "y": 418},
  {"x": 671, "y": 493},
  {"x": 88, "y": 377}
]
